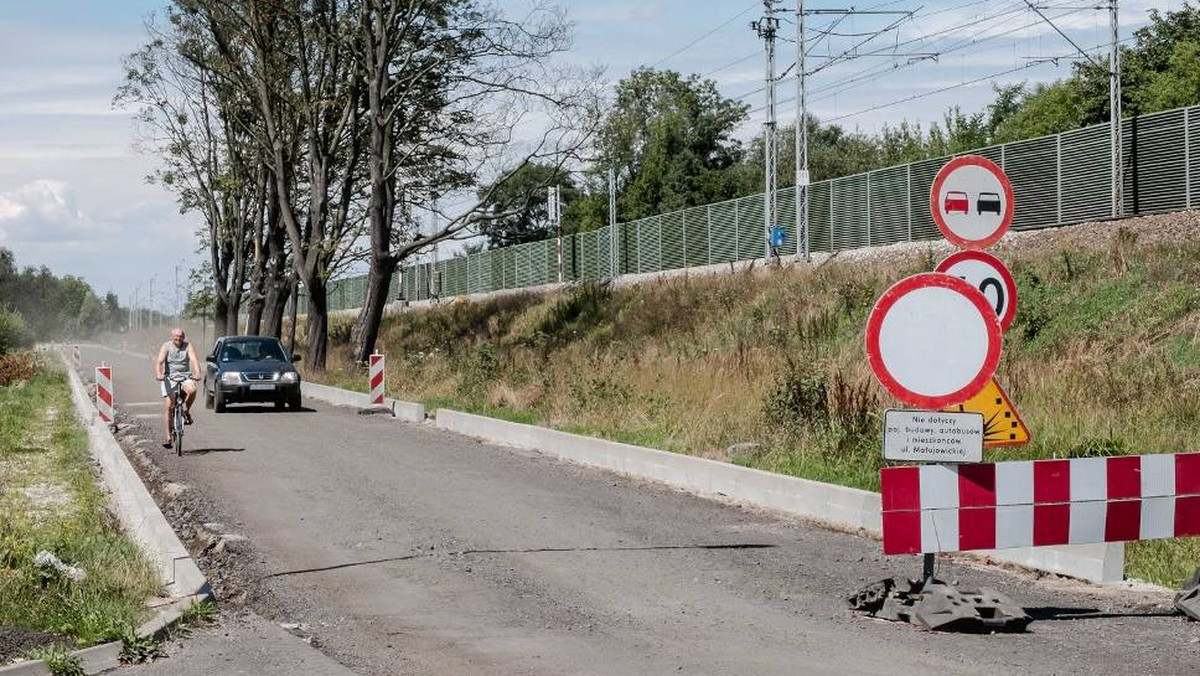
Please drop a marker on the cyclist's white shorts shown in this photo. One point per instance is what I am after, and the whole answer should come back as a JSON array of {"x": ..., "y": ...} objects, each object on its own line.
[{"x": 162, "y": 385}]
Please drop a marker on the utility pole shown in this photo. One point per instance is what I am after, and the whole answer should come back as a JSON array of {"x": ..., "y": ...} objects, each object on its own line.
[
  {"x": 614, "y": 257},
  {"x": 554, "y": 213},
  {"x": 767, "y": 27},
  {"x": 435, "y": 283},
  {"x": 801, "y": 140},
  {"x": 1114, "y": 107}
]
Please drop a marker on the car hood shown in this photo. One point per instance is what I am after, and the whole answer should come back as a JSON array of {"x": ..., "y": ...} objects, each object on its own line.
[{"x": 247, "y": 366}]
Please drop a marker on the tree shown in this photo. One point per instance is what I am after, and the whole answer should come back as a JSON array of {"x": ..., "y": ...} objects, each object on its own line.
[
  {"x": 447, "y": 85},
  {"x": 520, "y": 207},
  {"x": 666, "y": 135},
  {"x": 186, "y": 117}
]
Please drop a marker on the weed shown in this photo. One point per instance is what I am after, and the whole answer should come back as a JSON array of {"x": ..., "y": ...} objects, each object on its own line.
[
  {"x": 200, "y": 614},
  {"x": 58, "y": 659},
  {"x": 138, "y": 649},
  {"x": 1123, "y": 243}
]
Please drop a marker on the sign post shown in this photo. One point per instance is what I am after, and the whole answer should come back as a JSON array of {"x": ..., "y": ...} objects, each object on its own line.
[
  {"x": 104, "y": 394},
  {"x": 376, "y": 378}
]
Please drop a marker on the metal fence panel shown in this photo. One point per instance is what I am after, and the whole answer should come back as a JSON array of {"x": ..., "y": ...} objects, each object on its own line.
[
  {"x": 1085, "y": 177},
  {"x": 1156, "y": 180},
  {"x": 695, "y": 228},
  {"x": 850, "y": 212},
  {"x": 723, "y": 225},
  {"x": 921, "y": 175},
  {"x": 1032, "y": 167},
  {"x": 889, "y": 206},
  {"x": 785, "y": 201},
  {"x": 674, "y": 235},
  {"x": 751, "y": 235},
  {"x": 819, "y": 217}
]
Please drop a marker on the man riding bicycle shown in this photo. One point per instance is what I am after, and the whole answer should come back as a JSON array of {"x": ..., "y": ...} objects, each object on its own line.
[{"x": 177, "y": 357}]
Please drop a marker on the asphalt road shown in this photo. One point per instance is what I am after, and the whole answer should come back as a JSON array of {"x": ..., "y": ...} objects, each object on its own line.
[{"x": 403, "y": 549}]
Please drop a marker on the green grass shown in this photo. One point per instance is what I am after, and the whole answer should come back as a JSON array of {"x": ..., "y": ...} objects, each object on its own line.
[
  {"x": 1103, "y": 358},
  {"x": 51, "y": 502}
]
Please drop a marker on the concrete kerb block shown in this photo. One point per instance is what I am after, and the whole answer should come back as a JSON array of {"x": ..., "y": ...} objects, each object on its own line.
[
  {"x": 840, "y": 507},
  {"x": 405, "y": 411}
]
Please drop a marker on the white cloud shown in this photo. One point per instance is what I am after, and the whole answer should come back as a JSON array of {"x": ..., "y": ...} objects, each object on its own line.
[{"x": 44, "y": 211}]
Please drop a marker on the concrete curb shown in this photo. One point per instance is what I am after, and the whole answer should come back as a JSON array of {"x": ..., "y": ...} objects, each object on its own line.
[
  {"x": 107, "y": 656},
  {"x": 838, "y": 506},
  {"x": 405, "y": 411},
  {"x": 133, "y": 504}
]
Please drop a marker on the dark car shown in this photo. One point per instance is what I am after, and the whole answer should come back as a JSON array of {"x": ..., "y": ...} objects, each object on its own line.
[
  {"x": 988, "y": 201},
  {"x": 243, "y": 369}
]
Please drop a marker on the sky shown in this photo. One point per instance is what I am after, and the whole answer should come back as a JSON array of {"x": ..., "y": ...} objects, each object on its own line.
[{"x": 73, "y": 189}]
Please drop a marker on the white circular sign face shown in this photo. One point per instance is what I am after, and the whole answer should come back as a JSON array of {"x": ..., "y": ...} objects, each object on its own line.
[
  {"x": 972, "y": 202},
  {"x": 988, "y": 274},
  {"x": 933, "y": 340}
]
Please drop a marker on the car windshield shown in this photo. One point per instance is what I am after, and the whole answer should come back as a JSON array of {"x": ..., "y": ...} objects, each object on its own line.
[
  {"x": 989, "y": 195},
  {"x": 252, "y": 350}
]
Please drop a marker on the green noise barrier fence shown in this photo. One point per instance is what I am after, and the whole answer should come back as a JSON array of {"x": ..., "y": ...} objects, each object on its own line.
[{"x": 1057, "y": 180}]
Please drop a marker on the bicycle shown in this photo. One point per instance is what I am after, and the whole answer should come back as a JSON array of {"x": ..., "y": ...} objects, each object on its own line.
[{"x": 175, "y": 391}]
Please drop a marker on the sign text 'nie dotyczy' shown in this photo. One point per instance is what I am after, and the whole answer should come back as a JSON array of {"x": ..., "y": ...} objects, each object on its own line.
[{"x": 932, "y": 436}]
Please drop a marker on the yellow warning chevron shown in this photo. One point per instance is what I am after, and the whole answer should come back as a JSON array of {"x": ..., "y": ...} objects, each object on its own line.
[{"x": 1002, "y": 425}]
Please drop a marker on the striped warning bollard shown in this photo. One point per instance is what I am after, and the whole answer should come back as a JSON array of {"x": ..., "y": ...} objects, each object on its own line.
[
  {"x": 76, "y": 358},
  {"x": 376, "y": 379},
  {"x": 104, "y": 394}
]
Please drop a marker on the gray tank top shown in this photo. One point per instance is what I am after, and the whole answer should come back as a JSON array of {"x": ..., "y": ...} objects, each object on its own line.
[{"x": 177, "y": 358}]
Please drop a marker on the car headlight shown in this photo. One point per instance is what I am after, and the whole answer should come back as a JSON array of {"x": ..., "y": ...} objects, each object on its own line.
[
  {"x": 231, "y": 377},
  {"x": 290, "y": 377}
]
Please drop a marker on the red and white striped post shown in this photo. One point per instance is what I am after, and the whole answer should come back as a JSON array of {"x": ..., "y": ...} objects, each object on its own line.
[
  {"x": 376, "y": 379},
  {"x": 104, "y": 394}
]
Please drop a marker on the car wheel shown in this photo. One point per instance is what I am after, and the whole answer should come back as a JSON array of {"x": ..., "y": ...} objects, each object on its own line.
[
  {"x": 208, "y": 399},
  {"x": 280, "y": 404},
  {"x": 218, "y": 402},
  {"x": 295, "y": 403}
]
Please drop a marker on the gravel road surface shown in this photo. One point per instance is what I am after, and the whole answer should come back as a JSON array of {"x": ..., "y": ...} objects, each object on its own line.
[{"x": 403, "y": 549}]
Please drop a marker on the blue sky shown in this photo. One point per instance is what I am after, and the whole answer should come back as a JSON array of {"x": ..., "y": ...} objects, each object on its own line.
[{"x": 72, "y": 188}]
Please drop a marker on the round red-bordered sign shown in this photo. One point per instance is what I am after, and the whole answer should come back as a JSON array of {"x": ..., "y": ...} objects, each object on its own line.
[
  {"x": 988, "y": 274},
  {"x": 971, "y": 200},
  {"x": 933, "y": 340}
]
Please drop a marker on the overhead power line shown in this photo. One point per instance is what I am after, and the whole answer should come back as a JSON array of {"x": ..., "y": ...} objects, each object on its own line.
[{"x": 693, "y": 43}]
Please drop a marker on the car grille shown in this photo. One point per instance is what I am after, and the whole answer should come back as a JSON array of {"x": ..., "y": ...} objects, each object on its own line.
[{"x": 261, "y": 376}]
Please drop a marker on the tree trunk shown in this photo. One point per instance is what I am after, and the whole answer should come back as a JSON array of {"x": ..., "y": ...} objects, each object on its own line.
[
  {"x": 220, "y": 317},
  {"x": 232, "y": 309},
  {"x": 366, "y": 326},
  {"x": 318, "y": 323},
  {"x": 254, "y": 314},
  {"x": 278, "y": 294}
]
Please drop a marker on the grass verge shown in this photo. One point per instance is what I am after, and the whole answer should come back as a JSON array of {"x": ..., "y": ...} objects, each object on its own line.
[{"x": 51, "y": 502}]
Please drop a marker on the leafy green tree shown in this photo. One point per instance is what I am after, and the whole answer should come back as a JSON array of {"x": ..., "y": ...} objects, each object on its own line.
[
  {"x": 519, "y": 206},
  {"x": 667, "y": 135}
]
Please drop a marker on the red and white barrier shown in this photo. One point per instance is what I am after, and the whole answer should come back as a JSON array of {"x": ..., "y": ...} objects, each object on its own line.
[
  {"x": 104, "y": 394},
  {"x": 376, "y": 379},
  {"x": 946, "y": 508}
]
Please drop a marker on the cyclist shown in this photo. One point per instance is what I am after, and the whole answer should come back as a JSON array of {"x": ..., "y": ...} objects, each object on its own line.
[{"x": 174, "y": 357}]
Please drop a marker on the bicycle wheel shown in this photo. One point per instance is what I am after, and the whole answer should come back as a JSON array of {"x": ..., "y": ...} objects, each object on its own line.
[{"x": 178, "y": 425}]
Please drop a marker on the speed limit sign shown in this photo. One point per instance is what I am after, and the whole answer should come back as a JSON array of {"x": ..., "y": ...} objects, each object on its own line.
[{"x": 988, "y": 274}]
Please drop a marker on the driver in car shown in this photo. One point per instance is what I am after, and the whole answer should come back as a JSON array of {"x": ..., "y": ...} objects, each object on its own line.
[{"x": 174, "y": 357}]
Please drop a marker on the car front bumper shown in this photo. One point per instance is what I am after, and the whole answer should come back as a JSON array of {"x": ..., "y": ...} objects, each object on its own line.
[{"x": 258, "y": 392}]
